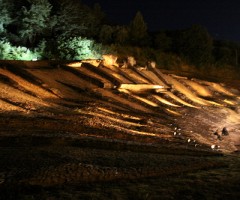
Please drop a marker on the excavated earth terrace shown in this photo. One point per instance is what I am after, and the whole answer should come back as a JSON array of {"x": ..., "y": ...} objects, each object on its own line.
[{"x": 74, "y": 122}]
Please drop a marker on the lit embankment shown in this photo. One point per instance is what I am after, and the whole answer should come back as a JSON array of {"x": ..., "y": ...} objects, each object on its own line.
[{"x": 49, "y": 87}]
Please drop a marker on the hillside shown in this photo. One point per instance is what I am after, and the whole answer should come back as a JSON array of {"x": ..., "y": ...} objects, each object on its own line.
[{"x": 66, "y": 122}]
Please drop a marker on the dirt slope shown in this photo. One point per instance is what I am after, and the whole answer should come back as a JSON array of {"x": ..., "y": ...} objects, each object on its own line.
[
  {"x": 125, "y": 99},
  {"x": 65, "y": 125}
]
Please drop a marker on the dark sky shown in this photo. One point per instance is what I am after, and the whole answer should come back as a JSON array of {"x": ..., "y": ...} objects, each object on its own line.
[{"x": 220, "y": 17}]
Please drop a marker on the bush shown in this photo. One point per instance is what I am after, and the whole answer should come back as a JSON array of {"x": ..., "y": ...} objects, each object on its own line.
[
  {"x": 78, "y": 48},
  {"x": 10, "y": 52},
  {"x": 168, "y": 61}
]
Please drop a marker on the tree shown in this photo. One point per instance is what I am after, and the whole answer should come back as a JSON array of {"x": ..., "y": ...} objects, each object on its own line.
[
  {"x": 95, "y": 20},
  {"x": 106, "y": 34},
  {"x": 162, "y": 42},
  {"x": 5, "y": 15},
  {"x": 138, "y": 30},
  {"x": 226, "y": 52},
  {"x": 121, "y": 35},
  {"x": 98, "y": 14},
  {"x": 78, "y": 48},
  {"x": 195, "y": 45},
  {"x": 114, "y": 34},
  {"x": 36, "y": 20},
  {"x": 77, "y": 19},
  {"x": 70, "y": 22}
]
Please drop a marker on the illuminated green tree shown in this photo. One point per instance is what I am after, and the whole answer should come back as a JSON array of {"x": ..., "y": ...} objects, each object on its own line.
[
  {"x": 5, "y": 16},
  {"x": 36, "y": 20},
  {"x": 78, "y": 48},
  {"x": 11, "y": 52}
]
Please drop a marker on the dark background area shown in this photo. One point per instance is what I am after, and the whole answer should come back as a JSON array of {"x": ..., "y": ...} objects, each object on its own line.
[
  {"x": 221, "y": 18},
  {"x": 196, "y": 36}
]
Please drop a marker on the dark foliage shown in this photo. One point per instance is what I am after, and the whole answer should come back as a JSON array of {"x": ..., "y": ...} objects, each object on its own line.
[{"x": 30, "y": 22}]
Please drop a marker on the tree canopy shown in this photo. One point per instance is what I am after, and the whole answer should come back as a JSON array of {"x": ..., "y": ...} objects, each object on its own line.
[
  {"x": 29, "y": 23},
  {"x": 195, "y": 45},
  {"x": 138, "y": 30},
  {"x": 5, "y": 15},
  {"x": 35, "y": 20}
]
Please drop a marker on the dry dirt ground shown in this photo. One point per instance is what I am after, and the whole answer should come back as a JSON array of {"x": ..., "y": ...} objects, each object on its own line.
[{"x": 98, "y": 131}]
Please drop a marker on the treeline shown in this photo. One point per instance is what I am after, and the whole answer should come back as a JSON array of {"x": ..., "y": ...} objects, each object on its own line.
[
  {"x": 49, "y": 29},
  {"x": 68, "y": 29}
]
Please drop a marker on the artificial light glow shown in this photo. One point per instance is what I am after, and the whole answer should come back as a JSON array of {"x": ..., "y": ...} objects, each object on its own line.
[
  {"x": 165, "y": 101},
  {"x": 115, "y": 113},
  {"x": 114, "y": 119},
  {"x": 220, "y": 89},
  {"x": 109, "y": 60},
  {"x": 75, "y": 64},
  {"x": 140, "y": 87},
  {"x": 139, "y": 98},
  {"x": 184, "y": 90},
  {"x": 180, "y": 100},
  {"x": 173, "y": 112},
  {"x": 201, "y": 90}
]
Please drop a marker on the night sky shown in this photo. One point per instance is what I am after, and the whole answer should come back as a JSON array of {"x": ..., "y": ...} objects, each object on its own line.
[{"x": 220, "y": 17}]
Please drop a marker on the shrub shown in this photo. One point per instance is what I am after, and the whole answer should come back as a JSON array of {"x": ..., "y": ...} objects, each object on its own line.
[
  {"x": 10, "y": 52},
  {"x": 167, "y": 60},
  {"x": 78, "y": 48}
]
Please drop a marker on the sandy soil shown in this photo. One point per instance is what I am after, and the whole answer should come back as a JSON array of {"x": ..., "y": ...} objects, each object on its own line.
[{"x": 71, "y": 133}]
